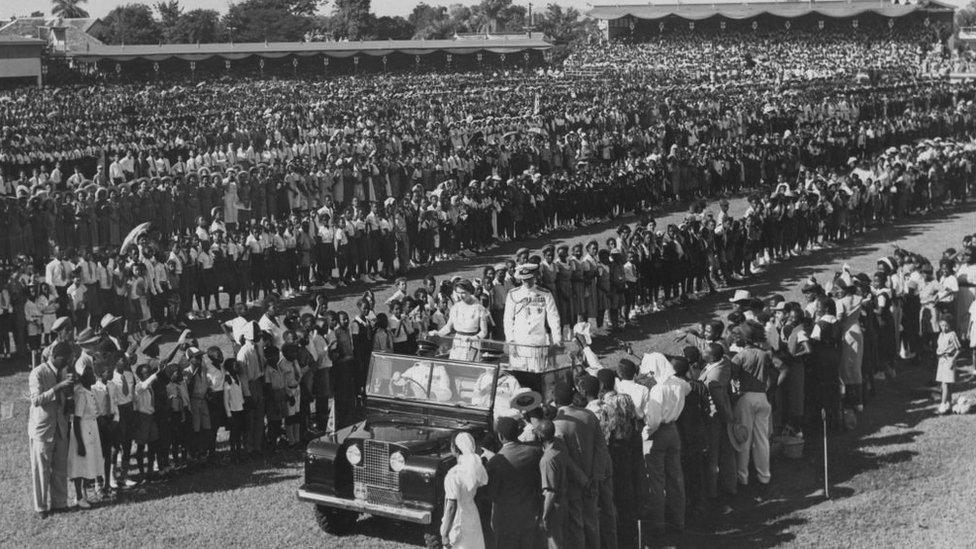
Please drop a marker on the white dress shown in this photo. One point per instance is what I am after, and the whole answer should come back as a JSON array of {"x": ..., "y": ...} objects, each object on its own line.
[
  {"x": 91, "y": 465},
  {"x": 466, "y": 530}
]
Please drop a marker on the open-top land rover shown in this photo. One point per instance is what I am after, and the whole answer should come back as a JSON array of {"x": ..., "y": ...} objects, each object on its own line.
[{"x": 392, "y": 463}]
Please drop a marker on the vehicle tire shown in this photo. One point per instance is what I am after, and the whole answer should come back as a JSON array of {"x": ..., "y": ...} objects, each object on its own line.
[
  {"x": 432, "y": 541},
  {"x": 337, "y": 522},
  {"x": 432, "y": 536}
]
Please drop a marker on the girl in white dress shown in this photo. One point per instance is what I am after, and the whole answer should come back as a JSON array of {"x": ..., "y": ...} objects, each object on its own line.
[
  {"x": 467, "y": 320},
  {"x": 460, "y": 525},
  {"x": 947, "y": 349},
  {"x": 85, "y": 460}
]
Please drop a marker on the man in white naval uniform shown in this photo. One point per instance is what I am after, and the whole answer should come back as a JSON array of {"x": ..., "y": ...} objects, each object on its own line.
[{"x": 528, "y": 310}]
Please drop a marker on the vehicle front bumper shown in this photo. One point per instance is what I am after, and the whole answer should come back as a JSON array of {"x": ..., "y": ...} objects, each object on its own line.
[{"x": 419, "y": 516}]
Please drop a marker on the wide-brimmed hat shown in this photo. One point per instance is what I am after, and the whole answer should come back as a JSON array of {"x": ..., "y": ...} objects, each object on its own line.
[
  {"x": 60, "y": 323},
  {"x": 740, "y": 296},
  {"x": 87, "y": 337},
  {"x": 525, "y": 399},
  {"x": 108, "y": 320},
  {"x": 150, "y": 345}
]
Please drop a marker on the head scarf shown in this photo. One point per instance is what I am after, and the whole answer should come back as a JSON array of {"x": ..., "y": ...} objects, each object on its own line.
[
  {"x": 656, "y": 364},
  {"x": 471, "y": 472}
]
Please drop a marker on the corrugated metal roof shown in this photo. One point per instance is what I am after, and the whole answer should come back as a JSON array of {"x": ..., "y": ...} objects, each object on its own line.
[
  {"x": 20, "y": 41},
  {"x": 344, "y": 49}
]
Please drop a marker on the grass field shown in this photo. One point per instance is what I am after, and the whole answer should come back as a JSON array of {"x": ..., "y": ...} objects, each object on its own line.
[{"x": 902, "y": 479}]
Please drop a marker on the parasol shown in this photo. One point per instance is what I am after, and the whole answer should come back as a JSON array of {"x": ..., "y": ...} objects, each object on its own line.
[{"x": 134, "y": 235}]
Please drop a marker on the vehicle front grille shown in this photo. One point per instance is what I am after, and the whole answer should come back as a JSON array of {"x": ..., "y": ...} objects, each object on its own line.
[
  {"x": 375, "y": 471},
  {"x": 383, "y": 497}
]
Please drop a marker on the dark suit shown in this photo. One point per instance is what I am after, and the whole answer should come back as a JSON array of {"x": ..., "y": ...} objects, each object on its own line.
[
  {"x": 580, "y": 431},
  {"x": 516, "y": 497}
]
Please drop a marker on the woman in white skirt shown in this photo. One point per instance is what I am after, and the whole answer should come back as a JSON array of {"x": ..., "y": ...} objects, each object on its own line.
[
  {"x": 467, "y": 320},
  {"x": 85, "y": 460}
]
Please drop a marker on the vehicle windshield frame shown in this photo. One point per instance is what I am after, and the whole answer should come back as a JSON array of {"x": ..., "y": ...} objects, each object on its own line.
[{"x": 382, "y": 386}]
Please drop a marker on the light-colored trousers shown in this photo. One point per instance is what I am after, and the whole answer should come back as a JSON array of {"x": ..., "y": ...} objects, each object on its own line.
[
  {"x": 753, "y": 411},
  {"x": 49, "y": 472}
]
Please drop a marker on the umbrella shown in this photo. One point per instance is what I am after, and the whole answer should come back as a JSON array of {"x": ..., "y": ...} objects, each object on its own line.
[{"x": 134, "y": 235}]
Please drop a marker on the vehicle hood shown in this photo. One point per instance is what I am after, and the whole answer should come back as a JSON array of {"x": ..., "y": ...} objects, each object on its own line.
[{"x": 418, "y": 439}]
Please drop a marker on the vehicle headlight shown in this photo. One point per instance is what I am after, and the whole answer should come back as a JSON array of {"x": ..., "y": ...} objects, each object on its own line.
[
  {"x": 397, "y": 462},
  {"x": 353, "y": 455}
]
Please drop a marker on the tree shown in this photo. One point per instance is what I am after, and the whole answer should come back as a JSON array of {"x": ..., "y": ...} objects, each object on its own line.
[
  {"x": 130, "y": 24},
  {"x": 487, "y": 14},
  {"x": 432, "y": 23},
  {"x": 461, "y": 18},
  {"x": 271, "y": 20},
  {"x": 352, "y": 19},
  {"x": 68, "y": 9},
  {"x": 197, "y": 26},
  {"x": 392, "y": 28},
  {"x": 510, "y": 18},
  {"x": 169, "y": 17},
  {"x": 966, "y": 17},
  {"x": 562, "y": 25},
  {"x": 424, "y": 14}
]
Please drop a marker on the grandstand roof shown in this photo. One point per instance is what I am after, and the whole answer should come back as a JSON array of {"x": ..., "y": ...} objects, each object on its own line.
[
  {"x": 706, "y": 9},
  {"x": 199, "y": 52},
  {"x": 20, "y": 41}
]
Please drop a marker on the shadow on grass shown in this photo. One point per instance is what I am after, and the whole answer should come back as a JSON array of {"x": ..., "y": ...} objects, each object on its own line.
[
  {"x": 797, "y": 485},
  {"x": 390, "y": 530},
  {"x": 217, "y": 477},
  {"x": 777, "y": 278}
]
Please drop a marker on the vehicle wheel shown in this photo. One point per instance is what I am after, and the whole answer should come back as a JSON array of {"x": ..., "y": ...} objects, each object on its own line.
[
  {"x": 432, "y": 536},
  {"x": 337, "y": 522},
  {"x": 432, "y": 541}
]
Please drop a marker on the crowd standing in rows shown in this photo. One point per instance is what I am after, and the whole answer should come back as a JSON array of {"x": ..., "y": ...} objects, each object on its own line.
[{"x": 334, "y": 183}]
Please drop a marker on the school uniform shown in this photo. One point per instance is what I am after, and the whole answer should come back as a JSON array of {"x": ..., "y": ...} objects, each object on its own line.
[{"x": 107, "y": 414}]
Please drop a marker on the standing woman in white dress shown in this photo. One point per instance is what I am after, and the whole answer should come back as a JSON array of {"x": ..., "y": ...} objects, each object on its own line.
[
  {"x": 85, "y": 460},
  {"x": 461, "y": 525},
  {"x": 467, "y": 320},
  {"x": 849, "y": 303}
]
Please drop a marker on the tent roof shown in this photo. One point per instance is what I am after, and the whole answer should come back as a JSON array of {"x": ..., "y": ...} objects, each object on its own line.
[
  {"x": 332, "y": 49},
  {"x": 698, "y": 11}
]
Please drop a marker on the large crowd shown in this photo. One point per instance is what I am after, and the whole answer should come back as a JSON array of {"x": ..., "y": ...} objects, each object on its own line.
[
  {"x": 133, "y": 207},
  {"x": 764, "y": 55}
]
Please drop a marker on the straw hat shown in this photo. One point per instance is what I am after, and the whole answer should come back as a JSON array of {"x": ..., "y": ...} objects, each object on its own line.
[
  {"x": 740, "y": 296},
  {"x": 525, "y": 399}
]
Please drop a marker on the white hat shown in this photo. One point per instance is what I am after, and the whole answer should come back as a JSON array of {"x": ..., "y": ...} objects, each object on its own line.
[
  {"x": 526, "y": 270},
  {"x": 108, "y": 320},
  {"x": 741, "y": 295}
]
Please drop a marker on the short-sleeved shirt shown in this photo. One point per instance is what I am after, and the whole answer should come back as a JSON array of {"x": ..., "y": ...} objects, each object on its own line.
[{"x": 751, "y": 366}]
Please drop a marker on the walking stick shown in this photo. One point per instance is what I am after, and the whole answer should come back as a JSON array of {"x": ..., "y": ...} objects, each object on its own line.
[{"x": 823, "y": 419}]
